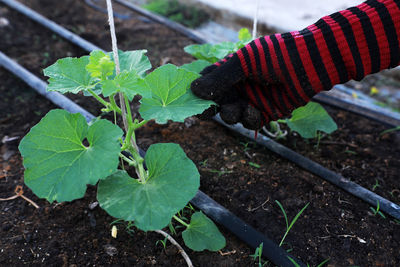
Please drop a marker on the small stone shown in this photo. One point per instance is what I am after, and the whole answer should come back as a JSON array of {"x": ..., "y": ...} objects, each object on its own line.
[
  {"x": 93, "y": 205},
  {"x": 110, "y": 250}
]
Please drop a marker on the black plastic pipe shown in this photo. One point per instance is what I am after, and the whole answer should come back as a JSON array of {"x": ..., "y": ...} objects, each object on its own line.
[
  {"x": 195, "y": 36},
  {"x": 209, "y": 206},
  {"x": 50, "y": 25},
  {"x": 315, "y": 168},
  {"x": 40, "y": 87}
]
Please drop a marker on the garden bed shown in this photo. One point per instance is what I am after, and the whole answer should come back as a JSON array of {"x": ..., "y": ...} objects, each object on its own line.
[{"x": 335, "y": 225}]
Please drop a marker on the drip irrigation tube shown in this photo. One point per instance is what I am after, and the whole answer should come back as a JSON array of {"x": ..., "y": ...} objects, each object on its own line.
[
  {"x": 209, "y": 206},
  {"x": 104, "y": 10},
  {"x": 315, "y": 168},
  {"x": 51, "y": 25},
  {"x": 195, "y": 36},
  {"x": 40, "y": 87}
]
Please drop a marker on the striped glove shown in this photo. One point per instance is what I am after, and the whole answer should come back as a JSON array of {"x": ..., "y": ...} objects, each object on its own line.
[{"x": 272, "y": 75}]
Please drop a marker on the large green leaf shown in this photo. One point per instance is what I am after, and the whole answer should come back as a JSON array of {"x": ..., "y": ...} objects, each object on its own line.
[
  {"x": 203, "y": 234},
  {"x": 126, "y": 82},
  {"x": 58, "y": 166},
  {"x": 196, "y": 66},
  {"x": 68, "y": 75},
  {"x": 134, "y": 60},
  {"x": 202, "y": 51},
  {"x": 223, "y": 49},
  {"x": 309, "y": 119},
  {"x": 173, "y": 181},
  {"x": 133, "y": 66},
  {"x": 171, "y": 99}
]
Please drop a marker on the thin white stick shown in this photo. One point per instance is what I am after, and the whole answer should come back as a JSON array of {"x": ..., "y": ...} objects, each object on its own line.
[
  {"x": 255, "y": 20},
  {"x": 116, "y": 60},
  {"x": 172, "y": 240}
]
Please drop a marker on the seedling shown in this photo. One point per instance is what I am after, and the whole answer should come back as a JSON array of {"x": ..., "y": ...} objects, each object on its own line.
[
  {"x": 306, "y": 121},
  {"x": 397, "y": 128},
  {"x": 255, "y": 165},
  {"x": 257, "y": 256},
  {"x": 162, "y": 242},
  {"x": 308, "y": 265},
  {"x": 63, "y": 153},
  {"x": 289, "y": 226},
  {"x": 376, "y": 185},
  {"x": 377, "y": 211}
]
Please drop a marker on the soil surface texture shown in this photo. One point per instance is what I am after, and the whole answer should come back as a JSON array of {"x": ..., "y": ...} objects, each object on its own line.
[{"x": 240, "y": 175}]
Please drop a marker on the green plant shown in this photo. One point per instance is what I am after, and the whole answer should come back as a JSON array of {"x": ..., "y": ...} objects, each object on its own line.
[
  {"x": 257, "y": 256},
  {"x": 289, "y": 226},
  {"x": 376, "y": 185},
  {"x": 377, "y": 211},
  {"x": 63, "y": 153},
  {"x": 308, "y": 265},
  {"x": 397, "y": 128},
  {"x": 181, "y": 13},
  {"x": 307, "y": 120}
]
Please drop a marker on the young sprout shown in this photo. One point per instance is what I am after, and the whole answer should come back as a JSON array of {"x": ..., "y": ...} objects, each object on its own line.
[
  {"x": 289, "y": 226},
  {"x": 377, "y": 211}
]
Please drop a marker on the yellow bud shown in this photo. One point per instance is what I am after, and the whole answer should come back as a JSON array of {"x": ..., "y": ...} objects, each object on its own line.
[{"x": 114, "y": 231}]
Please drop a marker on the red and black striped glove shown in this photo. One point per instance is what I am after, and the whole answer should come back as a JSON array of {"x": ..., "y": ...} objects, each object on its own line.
[{"x": 272, "y": 75}]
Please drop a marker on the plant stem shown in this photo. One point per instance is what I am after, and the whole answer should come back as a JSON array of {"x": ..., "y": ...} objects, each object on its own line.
[
  {"x": 172, "y": 240},
  {"x": 114, "y": 105},
  {"x": 124, "y": 103},
  {"x": 98, "y": 98},
  {"x": 180, "y": 221},
  {"x": 128, "y": 160}
]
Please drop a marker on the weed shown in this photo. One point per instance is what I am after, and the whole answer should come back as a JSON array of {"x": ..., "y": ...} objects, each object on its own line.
[
  {"x": 289, "y": 226},
  {"x": 377, "y": 211},
  {"x": 257, "y": 256},
  {"x": 255, "y": 165}
]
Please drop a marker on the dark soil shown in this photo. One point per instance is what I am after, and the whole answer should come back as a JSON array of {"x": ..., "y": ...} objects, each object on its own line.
[{"x": 335, "y": 225}]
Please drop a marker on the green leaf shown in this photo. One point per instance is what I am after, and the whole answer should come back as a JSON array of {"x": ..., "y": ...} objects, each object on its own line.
[
  {"x": 244, "y": 35},
  {"x": 221, "y": 50},
  {"x": 203, "y": 234},
  {"x": 134, "y": 61},
  {"x": 173, "y": 181},
  {"x": 201, "y": 52},
  {"x": 126, "y": 82},
  {"x": 309, "y": 119},
  {"x": 171, "y": 99},
  {"x": 100, "y": 65},
  {"x": 68, "y": 75},
  {"x": 57, "y": 165},
  {"x": 196, "y": 66}
]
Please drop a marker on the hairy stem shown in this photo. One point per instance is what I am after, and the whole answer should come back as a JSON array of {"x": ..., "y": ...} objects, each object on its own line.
[
  {"x": 98, "y": 98},
  {"x": 172, "y": 240},
  {"x": 180, "y": 221}
]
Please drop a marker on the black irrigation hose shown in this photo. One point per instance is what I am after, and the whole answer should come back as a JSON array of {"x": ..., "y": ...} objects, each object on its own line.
[
  {"x": 315, "y": 168},
  {"x": 104, "y": 10},
  {"x": 51, "y": 25},
  {"x": 40, "y": 87},
  {"x": 209, "y": 206},
  {"x": 338, "y": 99},
  {"x": 195, "y": 36}
]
